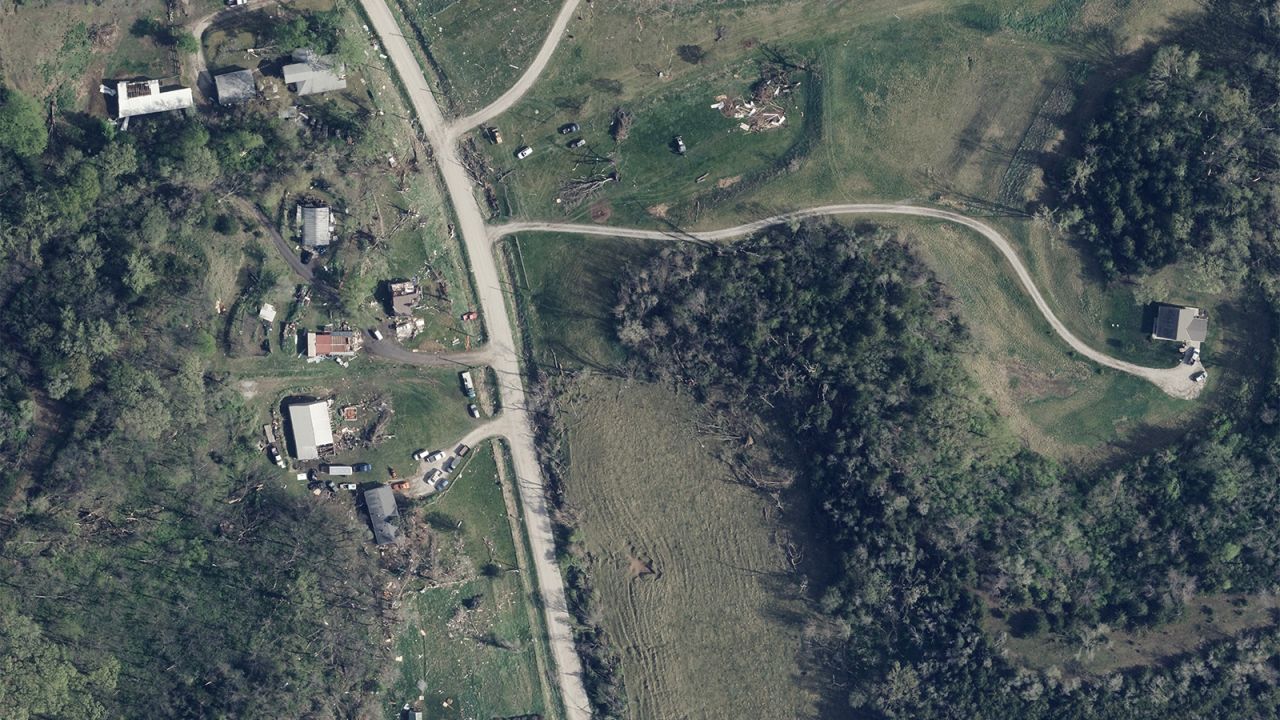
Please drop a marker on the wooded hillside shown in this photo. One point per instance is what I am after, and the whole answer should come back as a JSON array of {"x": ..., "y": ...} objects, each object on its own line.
[
  {"x": 844, "y": 341},
  {"x": 152, "y": 564}
]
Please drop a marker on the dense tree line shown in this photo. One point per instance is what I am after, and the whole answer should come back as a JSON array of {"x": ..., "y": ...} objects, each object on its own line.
[
  {"x": 150, "y": 563},
  {"x": 845, "y": 341},
  {"x": 1184, "y": 159}
]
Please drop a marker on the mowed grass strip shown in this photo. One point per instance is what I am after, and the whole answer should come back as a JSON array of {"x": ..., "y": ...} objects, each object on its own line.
[
  {"x": 469, "y": 648},
  {"x": 694, "y": 593}
]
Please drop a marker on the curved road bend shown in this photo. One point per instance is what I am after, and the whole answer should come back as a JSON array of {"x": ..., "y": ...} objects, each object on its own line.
[
  {"x": 527, "y": 79},
  {"x": 1175, "y": 381},
  {"x": 504, "y": 355}
]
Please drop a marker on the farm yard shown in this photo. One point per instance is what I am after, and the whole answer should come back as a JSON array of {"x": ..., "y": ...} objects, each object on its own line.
[
  {"x": 909, "y": 102},
  {"x": 472, "y": 643}
]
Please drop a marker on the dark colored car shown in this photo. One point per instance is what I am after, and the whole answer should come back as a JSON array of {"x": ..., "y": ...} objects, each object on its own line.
[
  {"x": 569, "y": 128},
  {"x": 362, "y": 467},
  {"x": 577, "y": 143}
]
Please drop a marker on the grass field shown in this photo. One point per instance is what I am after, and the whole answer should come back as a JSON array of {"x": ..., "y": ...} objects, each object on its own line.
[
  {"x": 695, "y": 597},
  {"x": 903, "y": 101},
  {"x": 1207, "y": 618},
  {"x": 476, "y": 49},
  {"x": 470, "y": 647}
]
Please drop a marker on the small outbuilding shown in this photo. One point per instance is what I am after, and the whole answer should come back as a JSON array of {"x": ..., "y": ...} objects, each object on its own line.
[
  {"x": 310, "y": 73},
  {"x": 310, "y": 428},
  {"x": 317, "y": 225},
  {"x": 1180, "y": 324},
  {"x": 143, "y": 97},
  {"x": 340, "y": 343},
  {"x": 236, "y": 87},
  {"x": 384, "y": 516},
  {"x": 404, "y": 297}
]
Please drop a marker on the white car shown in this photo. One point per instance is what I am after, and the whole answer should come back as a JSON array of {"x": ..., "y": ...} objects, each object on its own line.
[
  {"x": 435, "y": 456},
  {"x": 347, "y": 486},
  {"x": 419, "y": 454},
  {"x": 524, "y": 152},
  {"x": 376, "y": 333}
]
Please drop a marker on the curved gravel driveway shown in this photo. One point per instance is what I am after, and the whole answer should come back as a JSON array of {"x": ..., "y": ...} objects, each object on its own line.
[{"x": 1175, "y": 381}]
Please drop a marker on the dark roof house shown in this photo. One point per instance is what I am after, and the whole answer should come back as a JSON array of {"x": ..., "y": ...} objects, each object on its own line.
[
  {"x": 311, "y": 73},
  {"x": 236, "y": 87},
  {"x": 1180, "y": 324},
  {"x": 384, "y": 516}
]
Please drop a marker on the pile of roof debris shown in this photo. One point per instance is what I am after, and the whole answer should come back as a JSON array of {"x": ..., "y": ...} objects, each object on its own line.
[{"x": 763, "y": 110}]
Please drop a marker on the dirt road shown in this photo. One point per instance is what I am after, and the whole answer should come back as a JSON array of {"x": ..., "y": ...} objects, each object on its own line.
[
  {"x": 1175, "y": 381},
  {"x": 504, "y": 358}
]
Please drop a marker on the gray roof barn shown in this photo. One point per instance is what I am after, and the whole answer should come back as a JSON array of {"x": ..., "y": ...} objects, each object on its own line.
[
  {"x": 383, "y": 514},
  {"x": 311, "y": 73},
  {"x": 317, "y": 226},
  {"x": 236, "y": 87},
  {"x": 1180, "y": 324}
]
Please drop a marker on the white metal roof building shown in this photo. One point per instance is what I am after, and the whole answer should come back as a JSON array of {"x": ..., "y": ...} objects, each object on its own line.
[
  {"x": 312, "y": 73},
  {"x": 309, "y": 424},
  {"x": 236, "y": 87},
  {"x": 145, "y": 96},
  {"x": 317, "y": 226}
]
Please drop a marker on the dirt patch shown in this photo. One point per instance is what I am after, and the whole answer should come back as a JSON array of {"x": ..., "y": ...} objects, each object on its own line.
[
  {"x": 659, "y": 210},
  {"x": 728, "y": 182},
  {"x": 601, "y": 212},
  {"x": 640, "y": 567},
  {"x": 248, "y": 389}
]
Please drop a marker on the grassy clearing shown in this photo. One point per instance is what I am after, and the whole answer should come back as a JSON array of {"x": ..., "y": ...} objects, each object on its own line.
[
  {"x": 63, "y": 50},
  {"x": 476, "y": 49},
  {"x": 478, "y": 661},
  {"x": 569, "y": 291},
  {"x": 694, "y": 593},
  {"x": 1061, "y": 404},
  {"x": 1116, "y": 317},
  {"x": 1208, "y": 618}
]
